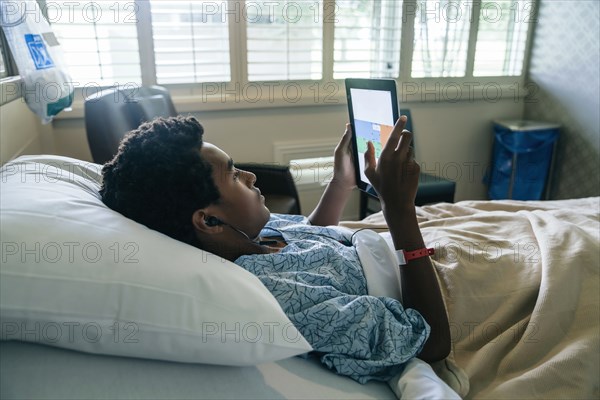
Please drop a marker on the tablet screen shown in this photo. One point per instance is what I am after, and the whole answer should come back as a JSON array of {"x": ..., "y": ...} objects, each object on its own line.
[
  {"x": 373, "y": 121},
  {"x": 373, "y": 109}
]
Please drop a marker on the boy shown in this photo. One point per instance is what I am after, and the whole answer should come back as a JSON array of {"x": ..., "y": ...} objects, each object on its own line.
[{"x": 166, "y": 177}]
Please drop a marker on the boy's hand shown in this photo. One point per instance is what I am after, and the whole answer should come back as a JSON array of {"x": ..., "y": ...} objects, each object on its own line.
[
  {"x": 396, "y": 176},
  {"x": 336, "y": 194},
  {"x": 343, "y": 168}
]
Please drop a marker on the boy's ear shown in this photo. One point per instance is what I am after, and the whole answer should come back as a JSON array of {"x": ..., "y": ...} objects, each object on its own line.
[{"x": 199, "y": 218}]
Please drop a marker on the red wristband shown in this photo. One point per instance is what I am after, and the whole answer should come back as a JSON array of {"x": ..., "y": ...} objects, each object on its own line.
[{"x": 405, "y": 256}]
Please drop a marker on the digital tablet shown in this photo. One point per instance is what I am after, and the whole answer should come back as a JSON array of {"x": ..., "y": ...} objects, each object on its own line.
[{"x": 373, "y": 109}]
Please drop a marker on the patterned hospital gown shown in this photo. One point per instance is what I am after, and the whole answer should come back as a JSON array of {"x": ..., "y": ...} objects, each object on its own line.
[{"x": 318, "y": 281}]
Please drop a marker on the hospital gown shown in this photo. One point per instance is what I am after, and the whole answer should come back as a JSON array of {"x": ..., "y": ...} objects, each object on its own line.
[{"x": 319, "y": 282}]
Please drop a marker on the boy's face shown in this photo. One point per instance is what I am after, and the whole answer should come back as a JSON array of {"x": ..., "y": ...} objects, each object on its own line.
[{"x": 241, "y": 205}]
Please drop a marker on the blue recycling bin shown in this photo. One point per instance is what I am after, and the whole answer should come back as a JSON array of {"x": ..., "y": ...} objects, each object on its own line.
[{"x": 522, "y": 160}]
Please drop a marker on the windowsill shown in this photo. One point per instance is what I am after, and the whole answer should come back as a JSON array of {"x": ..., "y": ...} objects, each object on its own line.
[
  {"x": 188, "y": 104},
  {"x": 426, "y": 91},
  {"x": 10, "y": 89},
  {"x": 238, "y": 102}
]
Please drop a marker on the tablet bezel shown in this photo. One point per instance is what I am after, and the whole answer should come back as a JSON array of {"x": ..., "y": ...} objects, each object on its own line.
[{"x": 387, "y": 85}]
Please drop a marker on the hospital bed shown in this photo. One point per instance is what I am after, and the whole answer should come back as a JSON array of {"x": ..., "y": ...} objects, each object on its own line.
[{"x": 96, "y": 306}]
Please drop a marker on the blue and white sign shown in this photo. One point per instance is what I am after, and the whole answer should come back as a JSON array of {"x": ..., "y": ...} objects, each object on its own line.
[{"x": 39, "y": 54}]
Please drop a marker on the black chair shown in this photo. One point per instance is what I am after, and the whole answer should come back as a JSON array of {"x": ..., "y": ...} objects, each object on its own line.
[
  {"x": 432, "y": 189},
  {"x": 111, "y": 113}
]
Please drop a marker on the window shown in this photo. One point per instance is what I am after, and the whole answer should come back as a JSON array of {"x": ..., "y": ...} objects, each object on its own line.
[
  {"x": 99, "y": 41},
  {"x": 502, "y": 37},
  {"x": 191, "y": 41},
  {"x": 367, "y": 39},
  {"x": 284, "y": 40},
  {"x": 441, "y": 39},
  {"x": 447, "y": 31},
  {"x": 187, "y": 44}
]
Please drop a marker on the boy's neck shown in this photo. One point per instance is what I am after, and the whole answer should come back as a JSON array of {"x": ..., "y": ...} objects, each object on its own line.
[{"x": 233, "y": 249}]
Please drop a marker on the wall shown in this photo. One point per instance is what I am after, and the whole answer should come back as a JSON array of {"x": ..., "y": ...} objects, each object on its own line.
[
  {"x": 452, "y": 139},
  {"x": 565, "y": 66},
  {"x": 21, "y": 132}
]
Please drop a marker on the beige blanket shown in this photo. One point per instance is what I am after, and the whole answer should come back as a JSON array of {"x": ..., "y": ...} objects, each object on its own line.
[{"x": 521, "y": 285}]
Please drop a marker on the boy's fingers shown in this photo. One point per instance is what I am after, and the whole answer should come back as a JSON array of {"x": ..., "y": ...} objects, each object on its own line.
[
  {"x": 345, "y": 140},
  {"x": 405, "y": 140},
  {"x": 392, "y": 142},
  {"x": 370, "y": 160},
  {"x": 348, "y": 129},
  {"x": 347, "y": 133}
]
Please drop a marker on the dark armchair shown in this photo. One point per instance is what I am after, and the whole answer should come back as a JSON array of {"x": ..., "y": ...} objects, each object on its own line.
[{"x": 111, "y": 113}]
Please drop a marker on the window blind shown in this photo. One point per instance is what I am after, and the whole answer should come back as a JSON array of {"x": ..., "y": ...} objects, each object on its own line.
[
  {"x": 441, "y": 39},
  {"x": 502, "y": 37},
  {"x": 186, "y": 42},
  {"x": 284, "y": 39},
  {"x": 191, "y": 41},
  {"x": 367, "y": 38},
  {"x": 99, "y": 41}
]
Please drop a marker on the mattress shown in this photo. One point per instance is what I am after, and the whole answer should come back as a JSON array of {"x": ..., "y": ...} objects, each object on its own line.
[{"x": 34, "y": 371}]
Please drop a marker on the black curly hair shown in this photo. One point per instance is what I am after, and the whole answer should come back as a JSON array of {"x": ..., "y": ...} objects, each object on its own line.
[{"x": 158, "y": 177}]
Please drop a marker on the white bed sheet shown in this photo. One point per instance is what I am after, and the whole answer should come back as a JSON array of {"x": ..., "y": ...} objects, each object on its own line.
[
  {"x": 33, "y": 371},
  {"x": 520, "y": 281}
]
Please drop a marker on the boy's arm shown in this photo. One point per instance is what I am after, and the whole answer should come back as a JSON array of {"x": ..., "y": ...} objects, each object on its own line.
[
  {"x": 331, "y": 205},
  {"x": 396, "y": 178},
  {"x": 420, "y": 288}
]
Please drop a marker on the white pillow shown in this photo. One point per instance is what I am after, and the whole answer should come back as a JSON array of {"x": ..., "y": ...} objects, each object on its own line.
[{"x": 79, "y": 275}]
